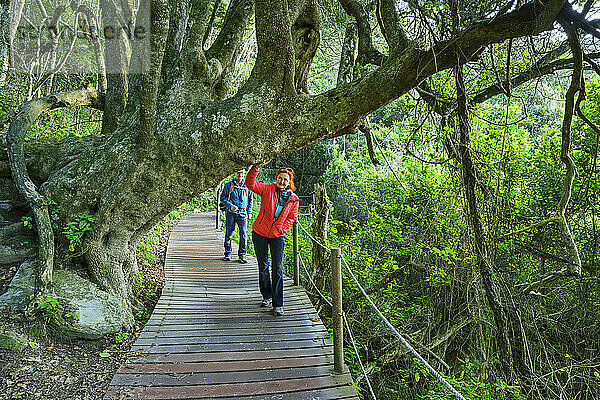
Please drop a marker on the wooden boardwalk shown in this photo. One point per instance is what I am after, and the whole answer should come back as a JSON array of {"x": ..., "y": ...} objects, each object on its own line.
[{"x": 208, "y": 338}]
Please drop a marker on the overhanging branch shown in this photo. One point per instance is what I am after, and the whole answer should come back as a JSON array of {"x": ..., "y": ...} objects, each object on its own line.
[
  {"x": 367, "y": 54},
  {"x": 344, "y": 105}
]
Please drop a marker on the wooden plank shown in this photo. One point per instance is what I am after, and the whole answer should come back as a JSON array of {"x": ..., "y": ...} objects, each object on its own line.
[
  {"x": 178, "y": 330},
  {"x": 258, "y": 338},
  {"x": 221, "y": 366},
  {"x": 222, "y": 377},
  {"x": 339, "y": 392},
  {"x": 208, "y": 304},
  {"x": 230, "y": 356},
  {"x": 253, "y": 320},
  {"x": 230, "y": 389},
  {"x": 217, "y": 347}
]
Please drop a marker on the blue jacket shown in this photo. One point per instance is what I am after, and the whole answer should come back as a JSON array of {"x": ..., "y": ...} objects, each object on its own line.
[{"x": 238, "y": 195}]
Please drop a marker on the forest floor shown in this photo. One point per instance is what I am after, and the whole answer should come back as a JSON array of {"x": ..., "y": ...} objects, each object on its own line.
[{"x": 48, "y": 369}]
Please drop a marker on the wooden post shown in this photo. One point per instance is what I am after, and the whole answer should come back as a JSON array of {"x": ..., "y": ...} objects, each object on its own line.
[
  {"x": 338, "y": 321},
  {"x": 217, "y": 209},
  {"x": 296, "y": 254}
]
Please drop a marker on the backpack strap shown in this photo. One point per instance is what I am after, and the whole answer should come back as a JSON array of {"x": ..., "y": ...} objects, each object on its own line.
[{"x": 231, "y": 190}]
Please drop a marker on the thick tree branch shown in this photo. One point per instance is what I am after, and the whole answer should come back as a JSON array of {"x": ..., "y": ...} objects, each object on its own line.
[
  {"x": 178, "y": 23},
  {"x": 346, "y": 68},
  {"x": 46, "y": 156},
  {"x": 275, "y": 61},
  {"x": 117, "y": 55},
  {"x": 578, "y": 20},
  {"x": 343, "y": 106},
  {"x": 4, "y": 39},
  {"x": 221, "y": 55},
  {"x": 159, "y": 32},
  {"x": 198, "y": 21},
  {"x": 211, "y": 22},
  {"x": 392, "y": 30},
  {"x": 231, "y": 35},
  {"x": 306, "y": 32},
  {"x": 367, "y": 54}
]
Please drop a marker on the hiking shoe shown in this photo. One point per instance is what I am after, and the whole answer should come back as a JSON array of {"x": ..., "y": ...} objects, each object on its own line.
[
  {"x": 227, "y": 258},
  {"x": 266, "y": 302},
  {"x": 277, "y": 310},
  {"x": 243, "y": 260}
]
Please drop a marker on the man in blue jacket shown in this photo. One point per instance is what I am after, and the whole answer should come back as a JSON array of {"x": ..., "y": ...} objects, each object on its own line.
[{"x": 237, "y": 200}]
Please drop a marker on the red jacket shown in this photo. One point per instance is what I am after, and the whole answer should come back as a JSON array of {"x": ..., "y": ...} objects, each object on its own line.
[{"x": 264, "y": 224}]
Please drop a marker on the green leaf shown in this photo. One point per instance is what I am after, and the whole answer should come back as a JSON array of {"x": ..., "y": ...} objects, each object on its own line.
[{"x": 105, "y": 354}]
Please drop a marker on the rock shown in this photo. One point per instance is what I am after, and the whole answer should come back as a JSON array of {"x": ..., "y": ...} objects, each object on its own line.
[
  {"x": 8, "y": 255},
  {"x": 11, "y": 341},
  {"x": 16, "y": 233},
  {"x": 100, "y": 313},
  {"x": 21, "y": 288}
]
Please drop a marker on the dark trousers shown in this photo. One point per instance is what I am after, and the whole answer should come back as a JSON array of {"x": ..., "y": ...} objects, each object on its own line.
[
  {"x": 231, "y": 219},
  {"x": 271, "y": 285}
]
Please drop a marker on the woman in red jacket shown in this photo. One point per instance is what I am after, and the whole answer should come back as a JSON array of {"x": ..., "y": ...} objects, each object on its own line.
[{"x": 278, "y": 210}]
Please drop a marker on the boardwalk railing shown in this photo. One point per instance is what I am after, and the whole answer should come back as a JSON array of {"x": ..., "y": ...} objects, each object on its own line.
[{"x": 338, "y": 317}]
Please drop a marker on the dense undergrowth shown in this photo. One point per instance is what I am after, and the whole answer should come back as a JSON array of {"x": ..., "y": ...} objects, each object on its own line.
[{"x": 406, "y": 220}]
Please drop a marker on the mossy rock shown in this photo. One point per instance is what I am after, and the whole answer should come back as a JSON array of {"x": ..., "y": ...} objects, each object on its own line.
[
  {"x": 98, "y": 312},
  {"x": 9, "y": 341}
]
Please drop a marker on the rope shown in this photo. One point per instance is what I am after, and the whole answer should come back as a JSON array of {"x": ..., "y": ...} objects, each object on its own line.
[
  {"x": 313, "y": 239},
  {"x": 362, "y": 368},
  {"x": 436, "y": 374},
  {"x": 313, "y": 283},
  {"x": 404, "y": 342}
]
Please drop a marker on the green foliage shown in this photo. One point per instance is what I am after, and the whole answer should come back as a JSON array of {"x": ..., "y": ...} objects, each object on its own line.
[
  {"x": 54, "y": 312},
  {"x": 122, "y": 336},
  {"x": 75, "y": 230},
  {"x": 411, "y": 225},
  {"x": 10, "y": 342},
  {"x": 27, "y": 222}
]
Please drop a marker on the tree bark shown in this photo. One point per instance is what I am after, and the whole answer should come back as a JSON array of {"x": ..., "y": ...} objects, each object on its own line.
[
  {"x": 4, "y": 39},
  {"x": 117, "y": 57},
  {"x": 321, "y": 268},
  {"x": 26, "y": 115}
]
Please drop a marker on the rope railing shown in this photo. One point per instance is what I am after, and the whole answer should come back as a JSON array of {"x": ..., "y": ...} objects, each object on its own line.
[
  {"x": 312, "y": 238},
  {"x": 297, "y": 257},
  {"x": 404, "y": 342},
  {"x": 436, "y": 374},
  {"x": 362, "y": 368}
]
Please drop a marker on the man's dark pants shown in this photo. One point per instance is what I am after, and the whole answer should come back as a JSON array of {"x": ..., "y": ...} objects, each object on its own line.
[{"x": 231, "y": 219}]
